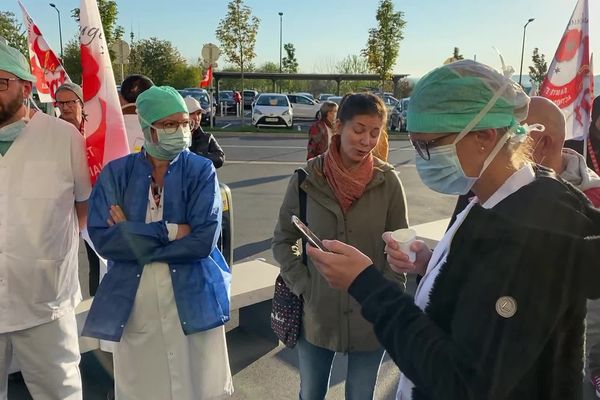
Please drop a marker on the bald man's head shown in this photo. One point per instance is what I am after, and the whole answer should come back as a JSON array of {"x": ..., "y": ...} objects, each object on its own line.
[{"x": 548, "y": 144}]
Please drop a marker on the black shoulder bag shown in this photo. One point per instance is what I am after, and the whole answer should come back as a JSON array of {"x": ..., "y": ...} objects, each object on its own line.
[{"x": 286, "y": 312}]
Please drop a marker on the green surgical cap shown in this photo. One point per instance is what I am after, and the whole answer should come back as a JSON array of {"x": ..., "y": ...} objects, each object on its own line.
[
  {"x": 158, "y": 102},
  {"x": 11, "y": 60},
  {"x": 448, "y": 98}
]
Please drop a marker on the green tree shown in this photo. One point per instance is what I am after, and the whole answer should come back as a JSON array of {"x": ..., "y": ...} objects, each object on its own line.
[
  {"x": 185, "y": 76},
  {"x": 72, "y": 60},
  {"x": 157, "y": 59},
  {"x": 237, "y": 34},
  {"x": 352, "y": 64},
  {"x": 268, "y": 66},
  {"x": 13, "y": 32},
  {"x": 538, "y": 71},
  {"x": 289, "y": 62},
  {"x": 383, "y": 44},
  {"x": 405, "y": 88},
  {"x": 290, "y": 66}
]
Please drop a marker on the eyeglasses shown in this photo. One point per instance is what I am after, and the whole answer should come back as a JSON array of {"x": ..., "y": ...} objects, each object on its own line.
[
  {"x": 170, "y": 127},
  {"x": 63, "y": 104},
  {"x": 4, "y": 83},
  {"x": 422, "y": 146}
]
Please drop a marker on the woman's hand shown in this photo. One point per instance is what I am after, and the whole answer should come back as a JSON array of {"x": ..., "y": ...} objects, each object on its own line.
[
  {"x": 182, "y": 231},
  {"x": 340, "y": 267},
  {"x": 116, "y": 215},
  {"x": 398, "y": 260}
]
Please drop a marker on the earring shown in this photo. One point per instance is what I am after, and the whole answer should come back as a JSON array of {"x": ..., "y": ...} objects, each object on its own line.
[{"x": 482, "y": 148}]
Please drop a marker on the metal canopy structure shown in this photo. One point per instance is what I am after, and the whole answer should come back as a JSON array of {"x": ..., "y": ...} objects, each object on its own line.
[{"x": 275, "y": 77}]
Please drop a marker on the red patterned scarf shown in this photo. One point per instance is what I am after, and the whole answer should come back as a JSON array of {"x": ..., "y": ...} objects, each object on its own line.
[{"x": 348, "y": 185}]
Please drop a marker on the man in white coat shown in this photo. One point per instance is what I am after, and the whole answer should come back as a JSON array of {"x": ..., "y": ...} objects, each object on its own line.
[{"x": 43, "y": 203}]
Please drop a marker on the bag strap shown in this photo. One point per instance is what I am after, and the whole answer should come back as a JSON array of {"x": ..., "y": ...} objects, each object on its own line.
[{"x": 302, "y": 201}]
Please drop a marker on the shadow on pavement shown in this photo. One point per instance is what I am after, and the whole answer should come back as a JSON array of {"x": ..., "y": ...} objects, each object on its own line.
[
  {"x": 250, "y": 249},
  {"x": 256, "y": 181}
]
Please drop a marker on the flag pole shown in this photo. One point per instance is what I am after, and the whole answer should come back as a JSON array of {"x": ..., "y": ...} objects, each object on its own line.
[{"x": 587, "y": 135}]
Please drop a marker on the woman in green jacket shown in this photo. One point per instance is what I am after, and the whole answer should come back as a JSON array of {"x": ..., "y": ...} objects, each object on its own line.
[{"x": 353, "y": 197}]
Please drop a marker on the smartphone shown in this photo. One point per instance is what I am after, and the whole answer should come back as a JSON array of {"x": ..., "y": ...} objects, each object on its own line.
[{"x": 307, "y": 234}]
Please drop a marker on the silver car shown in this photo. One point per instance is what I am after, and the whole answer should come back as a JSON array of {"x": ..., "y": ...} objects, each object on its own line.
[{"x": 397, "y": 120}]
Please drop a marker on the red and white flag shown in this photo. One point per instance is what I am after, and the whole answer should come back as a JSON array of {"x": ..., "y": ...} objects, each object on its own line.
[
  {"x": 208, "y": 76},
  {"x": 568, "y": 82},
  {"x": 45, "y": 65},
  {"x": 106, "y": 138}
]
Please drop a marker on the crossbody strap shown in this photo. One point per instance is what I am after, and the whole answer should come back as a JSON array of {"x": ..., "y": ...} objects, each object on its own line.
[{"x": 302, "y": 201}]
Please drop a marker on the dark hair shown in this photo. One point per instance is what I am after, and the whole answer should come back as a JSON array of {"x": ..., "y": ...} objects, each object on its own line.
[
  {"x": 596, "y": 109},
  {"x": 354, "y": 104},
  {"x": 133, "y": 85}
]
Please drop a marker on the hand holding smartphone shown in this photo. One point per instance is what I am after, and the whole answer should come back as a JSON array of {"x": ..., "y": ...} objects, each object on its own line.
[{"x": 308, "y": 234}]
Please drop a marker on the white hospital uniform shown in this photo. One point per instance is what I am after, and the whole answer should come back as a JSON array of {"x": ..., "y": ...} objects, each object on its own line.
[
  {"x": 42, "y": 175},
  {"x": 135, "y": 136},
  {"x": 154, "y": 359},
  {"x": 522, "y": 177}
]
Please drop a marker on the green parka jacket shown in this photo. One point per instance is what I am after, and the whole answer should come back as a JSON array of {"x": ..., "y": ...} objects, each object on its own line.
[{"x": 332, "y": 319}]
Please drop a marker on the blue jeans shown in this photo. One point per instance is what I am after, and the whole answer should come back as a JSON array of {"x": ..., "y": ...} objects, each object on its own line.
[{"x": 315, "y": 369}]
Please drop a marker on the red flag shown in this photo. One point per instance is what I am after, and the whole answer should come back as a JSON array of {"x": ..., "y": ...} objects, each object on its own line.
[
  {"x": 206, "y": 82},
  {"x": 567, "y": 83},
  {"x": 45, "y": 65},
  {"x": 106, "y": 138}
]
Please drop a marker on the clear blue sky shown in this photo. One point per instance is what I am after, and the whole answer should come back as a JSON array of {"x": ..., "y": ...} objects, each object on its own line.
[{"x": 324, "y": 32}]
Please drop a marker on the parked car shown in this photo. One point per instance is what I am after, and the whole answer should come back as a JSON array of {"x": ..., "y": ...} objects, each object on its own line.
[
  {"x": 249, "y": 96},
  {"x": 325, "y": 96},
  {"x": 397, "y": 120},
  {"x": 389, "y": 100},
  {"x": 204, "y": 99},
  {"x": 336, "y": 99},
  {"x": 306, "y": 94},
  {"x": 226, "y": 101},
  {"x": 272, "y": 109},
  {"x": 304, "y": 107}
]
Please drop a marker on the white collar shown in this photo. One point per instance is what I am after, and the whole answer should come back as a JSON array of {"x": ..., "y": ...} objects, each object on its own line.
[{"x": 524, "y": 176}]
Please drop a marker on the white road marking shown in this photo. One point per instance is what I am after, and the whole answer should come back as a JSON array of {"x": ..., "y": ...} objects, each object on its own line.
[
  {"x": 225, "y": 126},
  {"x": 262, "y": 147},
  {"x": 234, "y": 146},
  {"x": 265, "y": 162},
  {"x": 287, "y": 163}
]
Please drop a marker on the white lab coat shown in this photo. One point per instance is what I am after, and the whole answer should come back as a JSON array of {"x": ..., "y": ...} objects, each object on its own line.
[
  {"x": 41, "y": 176},
  {"x": 154, "y": 359}
]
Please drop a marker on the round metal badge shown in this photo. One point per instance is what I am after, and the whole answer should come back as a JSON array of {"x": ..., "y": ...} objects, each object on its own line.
[{"x": 506, "y": 306}]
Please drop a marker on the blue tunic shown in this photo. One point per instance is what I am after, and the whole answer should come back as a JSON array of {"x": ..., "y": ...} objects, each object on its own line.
[{"x": 199, "y": 274}]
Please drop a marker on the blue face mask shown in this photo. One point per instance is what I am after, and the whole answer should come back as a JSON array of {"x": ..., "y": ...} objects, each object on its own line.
[
  {"x": 10, "y": 132},
  {"x": 443, "y": 172},
  {"x": 169, "y": 145}
]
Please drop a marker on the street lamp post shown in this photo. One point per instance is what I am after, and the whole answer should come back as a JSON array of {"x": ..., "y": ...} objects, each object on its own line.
[
  {"x": 280, "y": 43},
  {"x": 280, "y": 37},
  {"x": 59, "y": 28},
  {"x": 523, "y": 48}
]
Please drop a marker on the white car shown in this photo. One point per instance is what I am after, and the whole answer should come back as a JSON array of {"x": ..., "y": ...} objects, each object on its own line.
[
  {"x": 272, "y": 109},
  {"x": 304, "y": 107}
]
